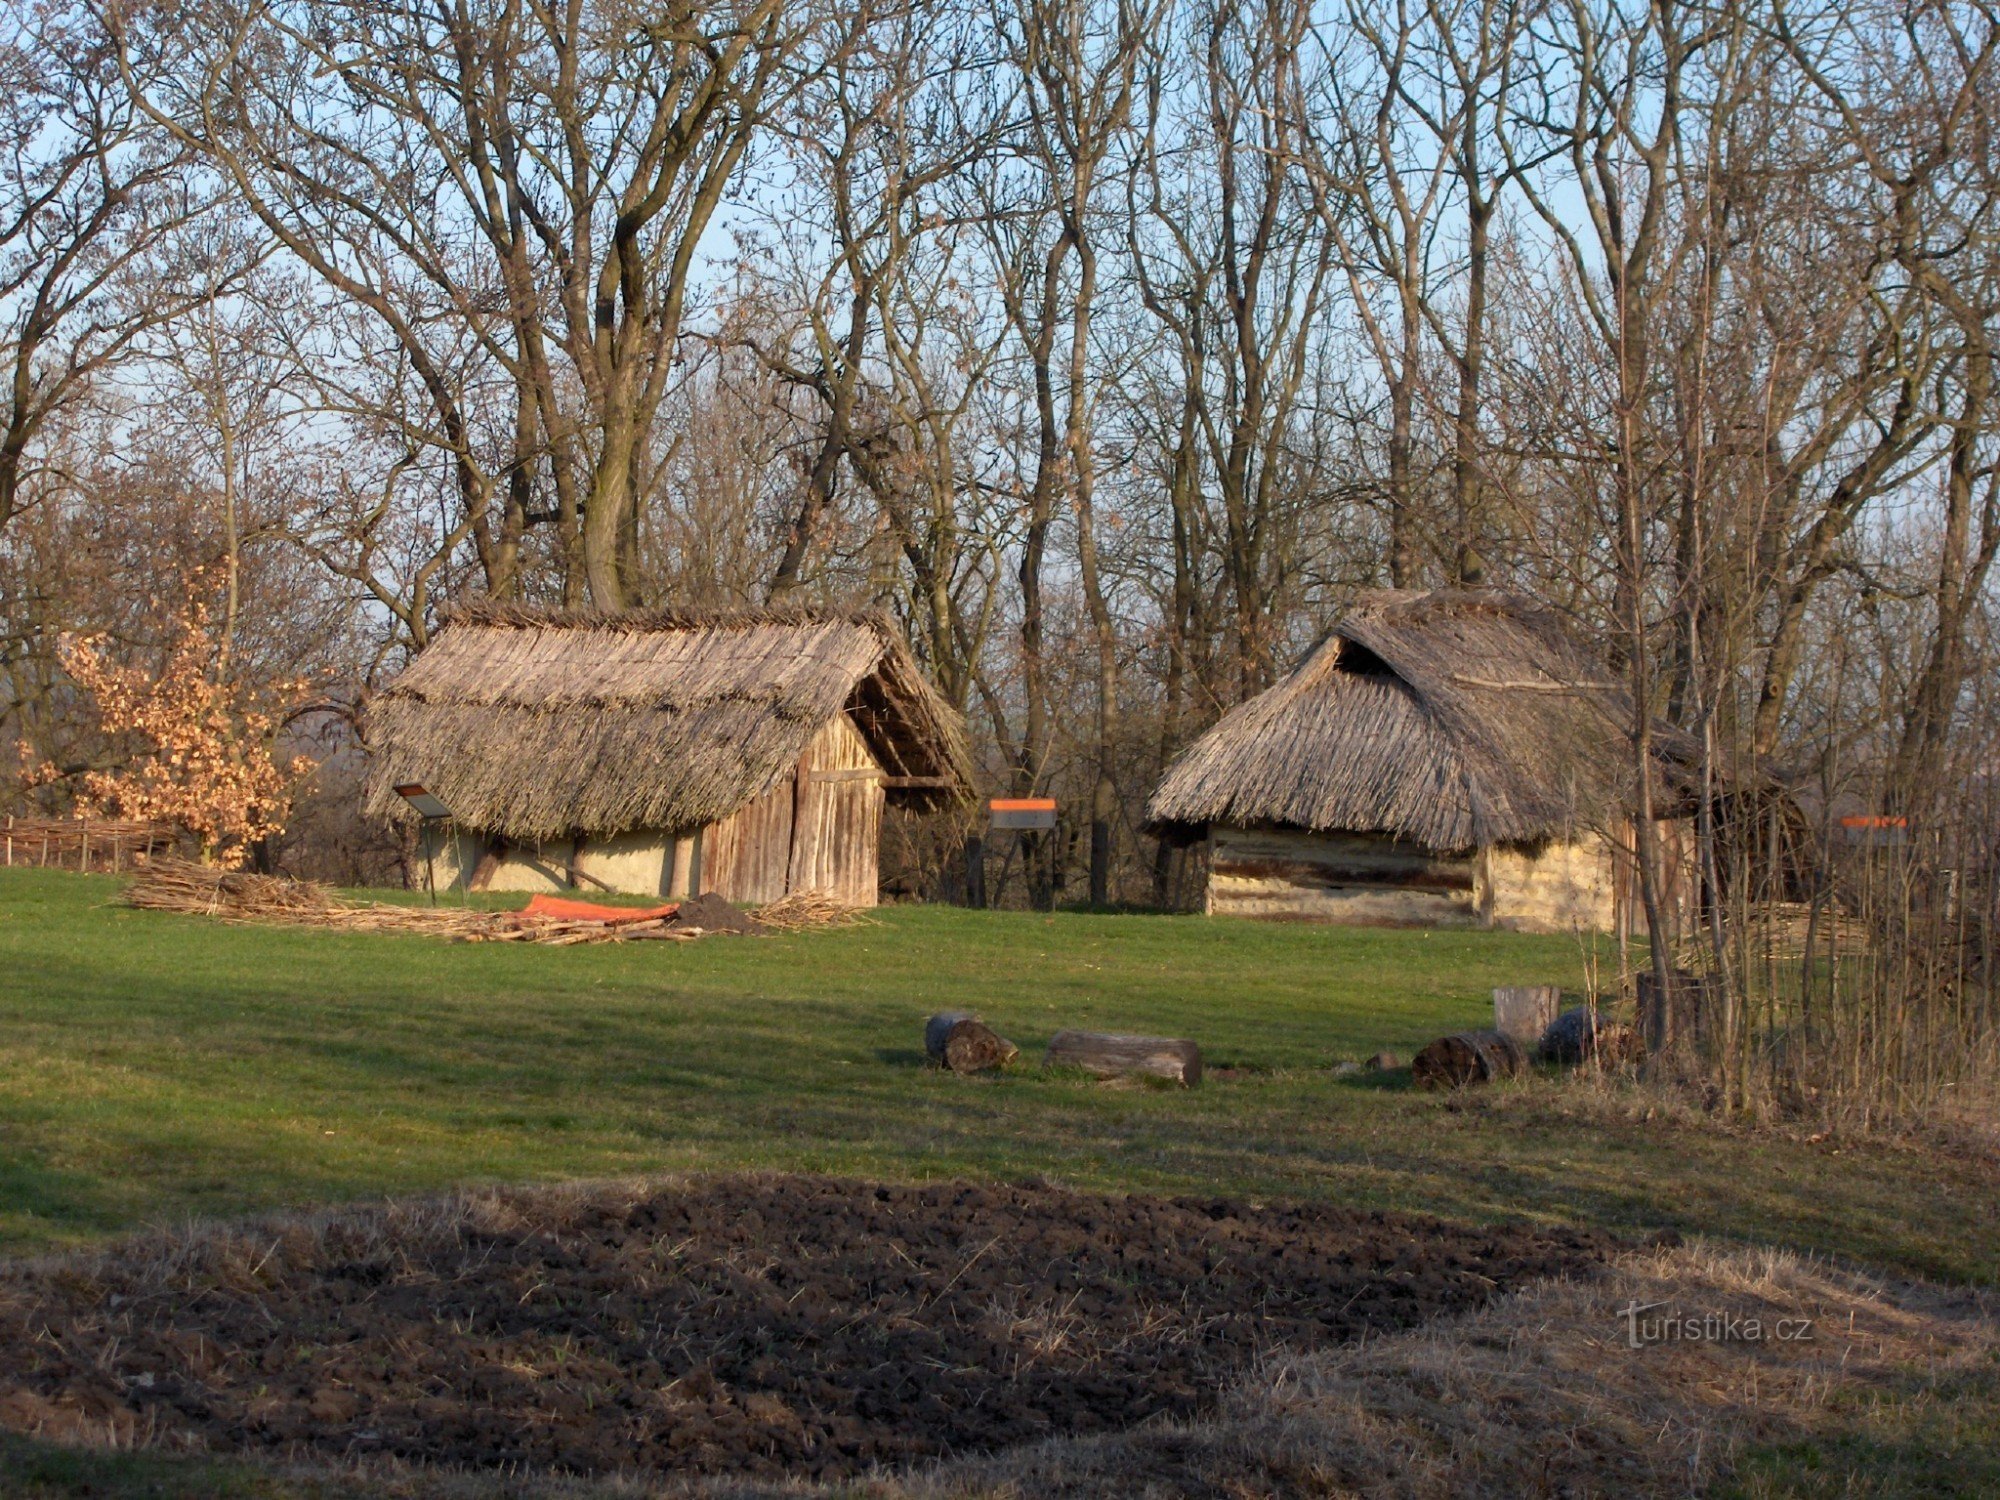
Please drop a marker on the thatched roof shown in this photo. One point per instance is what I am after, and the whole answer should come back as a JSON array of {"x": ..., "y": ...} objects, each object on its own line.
[
  {"x": 539, "y": 724},
  {"x": 1449, "y": 719}
]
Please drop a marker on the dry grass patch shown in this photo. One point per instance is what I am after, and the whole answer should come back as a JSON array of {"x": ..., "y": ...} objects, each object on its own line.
[{"x": 1541, "y": 1394}]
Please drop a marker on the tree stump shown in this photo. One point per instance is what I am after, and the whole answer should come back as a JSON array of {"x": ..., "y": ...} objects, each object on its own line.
[
  {"x": 959, "y": 1041},
  {"x": 1468, "y": 1057},
  {"x": 1678, "y": 1016},
  {"x": 1524, "y": 1012},
  {"x": 1581, "y": 1035},
  {"x": 1111, "y": 1056}
]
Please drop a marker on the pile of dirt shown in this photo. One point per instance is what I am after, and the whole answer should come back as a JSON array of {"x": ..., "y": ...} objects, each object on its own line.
[
  {"x": 749, "y": 1326},
  {"x": 708, "y": 912}
]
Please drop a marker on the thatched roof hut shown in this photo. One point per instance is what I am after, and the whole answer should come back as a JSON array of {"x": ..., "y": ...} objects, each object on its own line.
[
  {"x": 731, "y": 741},
  {"x": 1444, "y": 756}
]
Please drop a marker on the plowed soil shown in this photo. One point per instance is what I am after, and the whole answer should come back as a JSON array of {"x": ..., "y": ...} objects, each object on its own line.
[{"x": 755, "y": 1326}]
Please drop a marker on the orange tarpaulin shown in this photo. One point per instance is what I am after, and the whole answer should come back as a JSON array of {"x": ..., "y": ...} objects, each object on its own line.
[{"x": 561, "y": 909}]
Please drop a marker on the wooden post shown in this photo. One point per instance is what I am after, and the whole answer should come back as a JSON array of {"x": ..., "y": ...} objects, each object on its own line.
[
  {"x": 10, "y": 841},
  {"x": 799, "y": 848},
  {"x": 430, "y": 873},
  {"x": 975, "y": 873},
  {"x": 83, "y": 855},
  {"x": 1525, "y": 1012},
  {"x": 1100, "y": 862}
]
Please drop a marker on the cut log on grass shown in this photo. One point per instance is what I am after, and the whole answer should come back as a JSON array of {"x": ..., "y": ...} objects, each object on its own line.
[
  {"x": 975, "y": 1047},
  {"x": 1467, "y": 1057},
  {"x": 1524, "y": 1012},
  {"x": 1109, "y": 1056},
  {"x": 938, "y": 1027},
  {"x": 960, "y": 1041}
]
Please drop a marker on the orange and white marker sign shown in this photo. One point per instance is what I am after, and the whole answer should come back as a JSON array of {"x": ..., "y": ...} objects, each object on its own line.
[{"x": 1022, "y": 812}]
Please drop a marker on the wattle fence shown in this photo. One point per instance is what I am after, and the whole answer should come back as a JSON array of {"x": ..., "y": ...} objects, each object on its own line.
[{"x": 103, "y": 844}]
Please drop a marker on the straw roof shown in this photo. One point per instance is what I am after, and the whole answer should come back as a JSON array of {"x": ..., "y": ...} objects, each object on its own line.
[
  {"x": 540, "y": 724},
  {"x": 1448, "y": 719}
]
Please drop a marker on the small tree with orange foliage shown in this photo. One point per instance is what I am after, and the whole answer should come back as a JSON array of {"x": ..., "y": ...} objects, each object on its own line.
[{"x": 197, "y": 748}]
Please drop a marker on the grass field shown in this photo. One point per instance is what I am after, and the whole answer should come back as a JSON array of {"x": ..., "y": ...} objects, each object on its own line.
[{"x": 156, "y": 1068}]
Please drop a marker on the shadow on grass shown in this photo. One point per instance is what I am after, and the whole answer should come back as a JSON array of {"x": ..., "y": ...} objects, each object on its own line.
[
  {"x": 32, "y": 1469},
  {"x": 1379, "y": 1081}
]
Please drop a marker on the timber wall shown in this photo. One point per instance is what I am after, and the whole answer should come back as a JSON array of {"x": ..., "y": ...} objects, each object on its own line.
[
  {"x": 1353, "y": 878},
  {"x": 1372, "y": 880}
]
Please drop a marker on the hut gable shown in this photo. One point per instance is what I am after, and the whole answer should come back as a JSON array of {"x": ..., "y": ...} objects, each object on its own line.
[
  {"x": 1451, "y": 720},
  {"x": 539, "y": 725}
]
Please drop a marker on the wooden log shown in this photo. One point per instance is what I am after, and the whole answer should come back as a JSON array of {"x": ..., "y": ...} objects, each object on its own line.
[
  {"x": 1112, "y": 1056},
  {"x": 960, "y": 1041},
  {"x": 1524, "y": 1012},
  {"x": 938, "y": 1028},
  {"x": 1468, "y": 1057},
  {"x": 487, "y": 866},
  {"x": 975, "y": 1047}
]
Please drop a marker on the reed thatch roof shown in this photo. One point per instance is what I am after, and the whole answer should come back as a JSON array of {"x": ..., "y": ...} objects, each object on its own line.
[
  {"x": 540, "y": 724},
  {"x": 1448, "y": 719}
]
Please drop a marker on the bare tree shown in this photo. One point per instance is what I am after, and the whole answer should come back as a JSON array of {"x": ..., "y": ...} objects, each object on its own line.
[
  {"x": 93, "y": 202},
  {"x": 536, "y": 177}
]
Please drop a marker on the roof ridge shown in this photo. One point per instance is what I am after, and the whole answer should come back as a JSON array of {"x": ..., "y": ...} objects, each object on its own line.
[{"x": 484, "y": 611}]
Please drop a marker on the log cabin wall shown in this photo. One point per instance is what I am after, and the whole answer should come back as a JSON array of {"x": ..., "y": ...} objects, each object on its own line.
[
  {"x": 1373, "y": 880},
  {"x": 1346, "y": 878}
]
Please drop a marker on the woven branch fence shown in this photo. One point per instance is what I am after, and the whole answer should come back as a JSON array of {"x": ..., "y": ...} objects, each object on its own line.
[{"x": 103, "y": 844}]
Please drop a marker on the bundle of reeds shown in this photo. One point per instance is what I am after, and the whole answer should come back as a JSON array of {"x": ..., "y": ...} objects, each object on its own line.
[
  {"x": 168, "y": 884},
  {"x": 804, "y": 910},
  {"x": 178, "y": 885}
]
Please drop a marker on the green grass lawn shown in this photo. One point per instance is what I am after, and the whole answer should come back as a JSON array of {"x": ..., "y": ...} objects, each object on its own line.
[{"x": 157, "y": 1067}]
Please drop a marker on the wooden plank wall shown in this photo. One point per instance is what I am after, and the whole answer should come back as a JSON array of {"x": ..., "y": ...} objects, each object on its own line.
[
  {"x": 743, "y": 856},
  {"x": 840, "y": 828},
  {"x": 819, "y": 829}
]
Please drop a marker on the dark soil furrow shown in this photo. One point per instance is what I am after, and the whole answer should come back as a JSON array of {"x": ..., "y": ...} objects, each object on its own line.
[{"x": 760, "y": 1325}]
